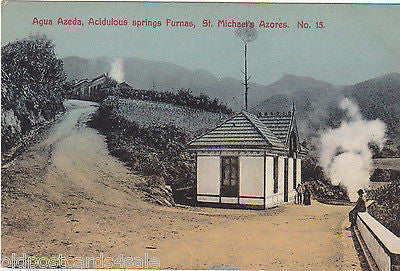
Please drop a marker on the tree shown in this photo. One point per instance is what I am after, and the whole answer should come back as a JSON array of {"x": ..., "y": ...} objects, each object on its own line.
[
  {"x": 33, "y": 87},
  {"x": 247, "y": 34},
  {"x": 32, "y": 64}
]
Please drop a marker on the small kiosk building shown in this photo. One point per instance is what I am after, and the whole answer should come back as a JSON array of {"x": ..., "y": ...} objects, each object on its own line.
[{"x": 249, "y": 160}]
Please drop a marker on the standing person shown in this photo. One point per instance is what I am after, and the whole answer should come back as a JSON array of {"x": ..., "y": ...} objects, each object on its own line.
[
  {"x": 302, "y": 192},
  {"x": 307, "y": 196},
  {"x": 360, "y": 207},
  {"x": 299, "y": 190}
]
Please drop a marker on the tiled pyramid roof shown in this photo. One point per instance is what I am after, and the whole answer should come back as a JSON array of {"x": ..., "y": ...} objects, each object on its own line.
[
  {"x": 278, "y": 124},
  {"x": 244, "y": 130}
]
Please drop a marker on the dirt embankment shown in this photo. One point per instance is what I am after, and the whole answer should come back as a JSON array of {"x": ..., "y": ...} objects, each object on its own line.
[{"x": 66, "y": 195}]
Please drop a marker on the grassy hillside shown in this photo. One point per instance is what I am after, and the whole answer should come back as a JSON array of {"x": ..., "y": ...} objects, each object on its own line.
[
  {"x": 151, "y": 138},
  {"x": 152, "y": 114}
]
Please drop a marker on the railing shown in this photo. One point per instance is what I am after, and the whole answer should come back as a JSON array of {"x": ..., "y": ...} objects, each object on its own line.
[{"x": 382, "y": 244}]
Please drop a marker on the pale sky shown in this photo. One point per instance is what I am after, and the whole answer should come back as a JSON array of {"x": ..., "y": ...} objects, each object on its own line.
[{"x": 358, "y": 42}]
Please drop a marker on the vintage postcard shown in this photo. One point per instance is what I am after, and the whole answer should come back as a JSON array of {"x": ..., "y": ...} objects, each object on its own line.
[{"x": 161, "y": 135}]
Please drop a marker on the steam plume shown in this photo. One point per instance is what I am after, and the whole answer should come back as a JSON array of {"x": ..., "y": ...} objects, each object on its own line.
[
  {"x": 117, "y": 70},
  {"x": 345, "y": 155}
]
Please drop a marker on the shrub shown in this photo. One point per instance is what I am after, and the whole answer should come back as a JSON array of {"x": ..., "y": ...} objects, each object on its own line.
[
  {"x": 384, "y": 175},
  {"x": 183, "y": 97},
  {"x": 321, "y": 188},
  {"x": 387, "y": 207},
  {"x": 33, "y": 86}
]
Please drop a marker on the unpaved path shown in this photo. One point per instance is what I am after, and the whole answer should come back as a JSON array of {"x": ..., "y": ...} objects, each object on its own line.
[{"x": 66, "y": 195}]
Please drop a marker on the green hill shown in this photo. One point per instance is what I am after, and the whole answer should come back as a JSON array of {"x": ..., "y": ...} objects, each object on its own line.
[{"x": 151, "y": 138}]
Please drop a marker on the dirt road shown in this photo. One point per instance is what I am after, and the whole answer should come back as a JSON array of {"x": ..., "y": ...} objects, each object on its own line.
[{"x": 66, "y": 195}]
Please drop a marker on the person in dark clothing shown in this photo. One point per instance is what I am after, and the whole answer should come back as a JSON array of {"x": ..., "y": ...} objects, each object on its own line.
[
  {"x": 360, "y": 207},
  {"x": 307, "y": 196},
  {"x": 299, "y": 195}
]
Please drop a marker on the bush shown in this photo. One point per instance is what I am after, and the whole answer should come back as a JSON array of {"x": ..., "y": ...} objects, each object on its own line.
[
  {"x": 33, "y": 86},
  {"x": 384, "y": 175},
  {"x": 321, "y": 188},
  {"x": 184, "y": 97},
  {"x": 387, "y": 207}
]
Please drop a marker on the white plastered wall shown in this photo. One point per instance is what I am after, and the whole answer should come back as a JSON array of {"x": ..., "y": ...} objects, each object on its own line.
[
  {"x": 272, "y": 198},
  {"x": 290, "y": 172},
  {"x": 269, "y": 188},
  {"x": 208, "y": 176},
  {"x": 251, "y": 176},
  {"x": 281, "y": 178},
  {"x": 298, "y": 171},
  {"x": 251, "y": 179}
]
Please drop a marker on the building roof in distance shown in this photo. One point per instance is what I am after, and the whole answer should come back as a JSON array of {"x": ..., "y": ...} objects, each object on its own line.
[
  {"x": 104, "y": 75},
  {"x": 125, "y": 85}
]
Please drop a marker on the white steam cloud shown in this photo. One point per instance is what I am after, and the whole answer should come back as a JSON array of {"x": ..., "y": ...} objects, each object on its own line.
[
  {"x": 345, "y": 155},
  {"x": 117, "y": 70}
]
